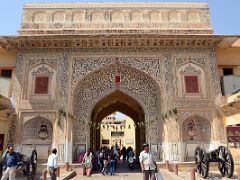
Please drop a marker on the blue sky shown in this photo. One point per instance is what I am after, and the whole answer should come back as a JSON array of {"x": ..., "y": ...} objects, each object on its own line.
[
  {"x": 224, "y": 13},
  {"x": 120, "y": 116}
]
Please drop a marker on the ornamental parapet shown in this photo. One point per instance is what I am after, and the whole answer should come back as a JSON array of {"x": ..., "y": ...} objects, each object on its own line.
[{"x": 76, "y": 18}]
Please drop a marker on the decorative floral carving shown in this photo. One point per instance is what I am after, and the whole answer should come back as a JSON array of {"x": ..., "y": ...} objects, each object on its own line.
[
  {"x": 101, "y": 83},
  {"x": 37, "y": 131},
  {"x": 82, "y": 66},
  {"x": 196, "y": 128},
  {"x": 12, "y": 127},
  {"x": 40, "y": 60},
  {"x": 42, "y": 70}
]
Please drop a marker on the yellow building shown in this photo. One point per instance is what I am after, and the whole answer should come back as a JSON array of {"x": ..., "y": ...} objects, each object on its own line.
[
  {"x": 7, "y": 71},
  {"x": 228, "y": 54},
  {"x": 120, "y": 132}
]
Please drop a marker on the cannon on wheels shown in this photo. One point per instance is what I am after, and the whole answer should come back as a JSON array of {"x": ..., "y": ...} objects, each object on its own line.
[
  {"x": 28, "y": 164},
  {"x": 221, "y": 155}
]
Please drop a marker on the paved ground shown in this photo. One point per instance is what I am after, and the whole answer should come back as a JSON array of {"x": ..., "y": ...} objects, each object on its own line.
[
  {"x": 213, "y": 175},
  {"x": 122, "y": 173}
]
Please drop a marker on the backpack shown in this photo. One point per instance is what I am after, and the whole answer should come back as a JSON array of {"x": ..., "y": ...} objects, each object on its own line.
[{"x": 105, "y": 156}]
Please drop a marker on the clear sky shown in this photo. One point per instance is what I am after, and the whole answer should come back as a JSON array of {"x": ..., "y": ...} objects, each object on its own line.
[
  {"x": 225, "y": 14},
  {"x": 120, "y": 116}
]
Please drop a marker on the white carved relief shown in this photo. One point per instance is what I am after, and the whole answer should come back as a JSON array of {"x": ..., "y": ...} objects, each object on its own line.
[
  {"x": 196, "y": 128},
  {"x": 58, "y": 17},
  {"x": 136, "y": 16},
  {"x": 193, "y": 17},
  {"x": 28, "y": 17},
  {"x": 78, "y": 16},
  {"x": 37, "y": 131},
  {"x": 182, "y": 115},
  {"x": 83, "y": 65},
  {"x": 101, "y": 83},
  {"x": 97, "y": 16},
  {"x": 117, "y": 16},
  {"x": 196, "y": 131},
  {"x": 173, "y": 16},
  {"x": 38, "y": 17},
  {"x": 155, "y": 16},
  {"x": 51, "y": 116}
]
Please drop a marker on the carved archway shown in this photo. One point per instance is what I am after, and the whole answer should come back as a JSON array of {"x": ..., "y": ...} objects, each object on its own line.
[
  {"x": 98, "y": 84},
  {"x": 118, "y": 101},
  {"x": 34, "y": 128},
  {"x": 196, "y": 130},
  {"x": 37, "y": 132}
]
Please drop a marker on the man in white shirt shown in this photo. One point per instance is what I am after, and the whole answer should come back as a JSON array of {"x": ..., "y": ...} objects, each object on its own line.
[
  {"x": 52, "y": 164},
  {"x": 148, "y": 164}
]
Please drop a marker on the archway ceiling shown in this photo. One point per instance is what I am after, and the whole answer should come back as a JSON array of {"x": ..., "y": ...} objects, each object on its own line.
[{"x": 118, "y": 101}]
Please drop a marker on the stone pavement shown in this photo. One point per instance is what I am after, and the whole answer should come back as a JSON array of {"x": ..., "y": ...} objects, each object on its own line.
[
  {"x": 122, "y": 173},
  {"x": 213, "y": 175}
]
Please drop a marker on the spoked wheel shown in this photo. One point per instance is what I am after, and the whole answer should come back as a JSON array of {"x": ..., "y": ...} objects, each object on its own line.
[
  {"x": 34, "y": 162},
  {"x": 226, "y": 164},
  {"x": 197, "y": 157},
  {"x": 202, "y": 162}
]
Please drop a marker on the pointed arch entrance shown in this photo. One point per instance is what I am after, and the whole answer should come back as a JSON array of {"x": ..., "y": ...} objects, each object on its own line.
[
  {"x": 96, "y": 92},
  {"x": 118, "y": 101}
]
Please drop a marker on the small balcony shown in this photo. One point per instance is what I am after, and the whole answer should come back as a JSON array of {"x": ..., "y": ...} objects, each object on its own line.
[{"x": 230, "y": 84}]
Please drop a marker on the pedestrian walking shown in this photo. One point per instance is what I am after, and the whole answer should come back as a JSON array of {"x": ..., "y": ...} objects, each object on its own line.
[
  {"x": 105, "y": 159},
  {"x": 148, "y": 164},
  {"x": 124, "y": 153},
  {"x": 87, "y": 160},
  {"x": 112, "y": 160},
  {"x": 10, "y": 162},
  {"x": 52, "y": 164}
]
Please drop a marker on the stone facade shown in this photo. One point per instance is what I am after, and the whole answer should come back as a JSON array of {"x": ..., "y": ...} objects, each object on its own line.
[
  {"x": 78, "y": 18},
  {"x": 81, "y": 71}
]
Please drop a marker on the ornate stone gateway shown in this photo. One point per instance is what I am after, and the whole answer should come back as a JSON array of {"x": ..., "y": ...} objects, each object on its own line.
[
  {"x": 100, "y": 83},
  {"x": 93, "y": 59}
]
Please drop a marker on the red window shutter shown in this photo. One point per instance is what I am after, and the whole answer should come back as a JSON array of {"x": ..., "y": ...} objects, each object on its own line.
[
  {"x": 191, "y": 84},
  {"x": 41, "y": 85}
]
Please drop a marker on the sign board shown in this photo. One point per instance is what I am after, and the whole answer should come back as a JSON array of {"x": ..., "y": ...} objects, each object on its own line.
[
  {"x": 117, "y": 133},
  {"x": 233, "y": 134},
  {"x": 105, "y": 141}
]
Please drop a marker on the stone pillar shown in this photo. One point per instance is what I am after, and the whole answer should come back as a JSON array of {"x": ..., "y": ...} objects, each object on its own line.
[{"x": 69, "y": 142}]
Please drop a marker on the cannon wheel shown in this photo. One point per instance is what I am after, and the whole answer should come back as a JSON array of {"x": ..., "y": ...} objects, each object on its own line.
[
  {"x": 202, "y": 161},
  {"x": 34, "y": 162},
  {"x": 226, "y": 164}
]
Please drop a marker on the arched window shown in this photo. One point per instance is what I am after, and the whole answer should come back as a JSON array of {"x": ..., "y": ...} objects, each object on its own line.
[
  {"x": 191, "y": 81},
  {"x": 42, "y": 82},
  {"x": 196, "y": 131}
]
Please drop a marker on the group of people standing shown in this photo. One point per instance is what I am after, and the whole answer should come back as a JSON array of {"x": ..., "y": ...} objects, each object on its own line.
[{"x": 105, "y": 159}]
